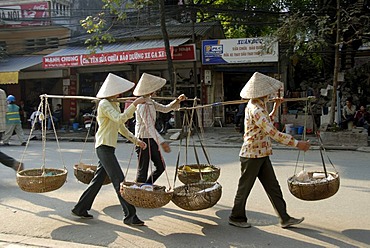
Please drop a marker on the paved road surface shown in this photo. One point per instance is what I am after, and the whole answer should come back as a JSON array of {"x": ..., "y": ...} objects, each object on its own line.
[{"x": 44, "y": 220}]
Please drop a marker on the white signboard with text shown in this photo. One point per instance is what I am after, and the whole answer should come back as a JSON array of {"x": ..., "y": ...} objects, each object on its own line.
[{"x": 242, "y": 50}]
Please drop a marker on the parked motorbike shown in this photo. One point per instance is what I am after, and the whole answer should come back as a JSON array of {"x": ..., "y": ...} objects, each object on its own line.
[
  {"x": 90, "y": 123},
  {"x": 164, "y": 122}
]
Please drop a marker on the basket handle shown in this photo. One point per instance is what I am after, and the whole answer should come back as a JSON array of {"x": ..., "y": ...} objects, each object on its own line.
[
  {"x": 203, "y": 148},
  {"x": 322, "y": 147},
  {"x": 180, "y": 144},
  {"x": 323, "y": 162},
  {"x": 198, "y": 163}
]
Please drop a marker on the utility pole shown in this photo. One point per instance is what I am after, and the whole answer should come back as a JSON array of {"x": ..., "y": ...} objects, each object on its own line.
[{"x": 167, "y": 46}]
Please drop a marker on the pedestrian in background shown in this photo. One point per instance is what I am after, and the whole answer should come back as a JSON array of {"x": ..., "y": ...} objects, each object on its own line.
[
  {"x": 5, "y": 159},
  {"x": 24, "y": 112},
  {"x": 256, "y": 149},
  {"x": 111, "y": 121},
  {"x": 56, "y": 116},
  {"x": 239, "y": 117},
  {"x": 348, "y": 114},
  {"x": 145, "y": 127},
  {"x": 13, "y": 122},
  {"x": 35, "y": 120}
]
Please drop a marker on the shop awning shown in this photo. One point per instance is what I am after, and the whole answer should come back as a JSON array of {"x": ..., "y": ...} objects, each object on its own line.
[
  {"x": 10, "y": 67},
  {"x": 119, "y": 53}
]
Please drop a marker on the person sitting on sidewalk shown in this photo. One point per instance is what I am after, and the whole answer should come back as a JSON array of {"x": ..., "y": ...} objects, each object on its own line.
[
  {"x": 256, "y": 150},
  {"x": 362, "y": 118},
  {"x": 57, "y": 116},
  {"x": 348, "y": 114}
]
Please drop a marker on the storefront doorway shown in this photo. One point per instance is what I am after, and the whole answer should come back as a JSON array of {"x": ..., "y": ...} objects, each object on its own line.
[{"x": 233, "y": 83}]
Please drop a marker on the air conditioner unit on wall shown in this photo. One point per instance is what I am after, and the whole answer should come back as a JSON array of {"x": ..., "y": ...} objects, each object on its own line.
[{"x": 207, "y": 77}]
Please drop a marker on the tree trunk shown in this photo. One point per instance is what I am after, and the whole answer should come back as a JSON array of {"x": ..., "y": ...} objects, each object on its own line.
[
  {"x": 167, "y": 46},
  {"x": 336, "y": 69}
]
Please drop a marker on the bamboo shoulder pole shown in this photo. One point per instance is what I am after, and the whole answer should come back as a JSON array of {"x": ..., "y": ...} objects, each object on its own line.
[
  {"x": 92, "y": 98},
  {"x": 310, "y": 98},
  {"x": 123, "y": 99}
]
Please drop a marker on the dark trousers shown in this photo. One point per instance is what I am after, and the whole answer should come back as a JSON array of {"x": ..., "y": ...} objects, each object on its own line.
[
  {"x": 153, "y": 153},
  {"x": 344, "y": 123},
  {"x": 251, "y": 168},
  {"x": 6, "y": 160},
  {"x": 108, "y": 164}
]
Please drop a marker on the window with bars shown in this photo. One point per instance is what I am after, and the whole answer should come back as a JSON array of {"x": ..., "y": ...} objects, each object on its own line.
[{"x": 44, "y": 43}]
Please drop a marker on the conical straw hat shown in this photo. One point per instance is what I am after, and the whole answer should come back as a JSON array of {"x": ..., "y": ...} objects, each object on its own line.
[
  {"x": 148, "y": 84},
  {"x": 114, "y": 85},
  {"x": 260, "y": 85}
]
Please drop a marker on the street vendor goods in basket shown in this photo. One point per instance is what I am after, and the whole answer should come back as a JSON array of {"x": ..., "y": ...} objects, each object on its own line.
[
  {"x": 313, "y": 186},
  {"x": 85, "y": 173},
  {"x": 316, "y": 184},
  {"x": 197, "y": 196},
  {"x": 193, "y": 173},
  {"x": 144, "y": 195},
  {"x": 41, "y": 180}
]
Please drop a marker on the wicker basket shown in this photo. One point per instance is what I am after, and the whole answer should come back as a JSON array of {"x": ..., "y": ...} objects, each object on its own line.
[
  {"x": 316, "y": 190},
  {"x": 188, "y": 177},
  {"x": 142, "y": 198},
  {"x": 36, "y": 181},
  {"x": 197, "y": 196},
  {"x": 85, "y": 173}
]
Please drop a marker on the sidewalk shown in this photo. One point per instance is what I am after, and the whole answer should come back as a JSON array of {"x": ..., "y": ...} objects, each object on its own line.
[{"x": 211, "y": 137}]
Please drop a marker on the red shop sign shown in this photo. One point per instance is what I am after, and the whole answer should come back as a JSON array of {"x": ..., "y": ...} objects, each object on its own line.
[{"x": 184, "y": 53}]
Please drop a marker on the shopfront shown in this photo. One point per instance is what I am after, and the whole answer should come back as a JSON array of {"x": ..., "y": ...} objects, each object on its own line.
[
  {"x": 231, "y": 63},
  {"x": 88, "y": 71},
  {"x": 24, "y": 77}
]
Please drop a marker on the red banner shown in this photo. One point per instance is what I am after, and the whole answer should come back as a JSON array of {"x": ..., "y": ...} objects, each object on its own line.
[
  {"x": 31, "y": 14},
  {"x": 186, "y": 53}
]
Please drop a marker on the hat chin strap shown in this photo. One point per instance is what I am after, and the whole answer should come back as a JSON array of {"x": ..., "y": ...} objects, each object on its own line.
[{"x": 265, "y": 98}]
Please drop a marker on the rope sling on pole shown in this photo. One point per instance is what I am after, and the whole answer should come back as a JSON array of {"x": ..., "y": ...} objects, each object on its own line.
[
  {"x": 43, "y": 179},
  {"x": 196, "y": 194},
  {"x": 141, "y": 194},
  {"x": 84, "y": 172}
]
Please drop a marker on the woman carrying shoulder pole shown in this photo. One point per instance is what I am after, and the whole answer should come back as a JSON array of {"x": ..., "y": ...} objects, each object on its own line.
[{"x": 110, "y": 121}]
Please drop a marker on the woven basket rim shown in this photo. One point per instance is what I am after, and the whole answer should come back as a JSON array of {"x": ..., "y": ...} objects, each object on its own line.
[
  {"x": 316, "y": 190},
  {"x": 140, "y": 197},
  {"x": 297, "y": 183},
  {"x": 201, "y": 165},
  {"x": 199, "y": 183},
  {"x": 188, "y": 177},
  {"x": 194, "y": 201},
  {"x": 126, "y": 185},
  {"x": 85, "y": 176},
  {"x": 39, "y": 183},
  {"x": 75, "y": 167},
  {"x": 89, "y": 165},
  {"x": 63, "y": 172}
]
